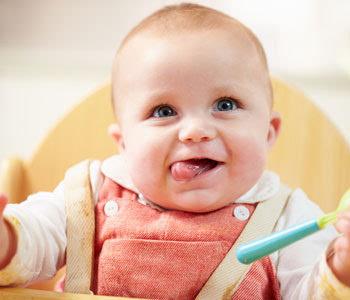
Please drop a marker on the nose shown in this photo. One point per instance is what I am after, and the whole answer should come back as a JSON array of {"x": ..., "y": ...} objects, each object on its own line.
[{"x": 196, "y": 130}]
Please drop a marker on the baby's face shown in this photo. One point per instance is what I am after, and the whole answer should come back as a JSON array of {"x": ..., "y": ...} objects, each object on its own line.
[{"x": 195, "y": 118}]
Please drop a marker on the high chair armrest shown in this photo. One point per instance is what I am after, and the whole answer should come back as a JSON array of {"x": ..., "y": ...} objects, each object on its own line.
[
  {"x": 12, "y": 179},
  {"x": 29, "y": 294}
]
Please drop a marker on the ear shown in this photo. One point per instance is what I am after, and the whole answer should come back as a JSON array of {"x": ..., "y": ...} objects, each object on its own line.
[
  {"x": 115, "y": 132},
  {"x": 274, "y": 129}
]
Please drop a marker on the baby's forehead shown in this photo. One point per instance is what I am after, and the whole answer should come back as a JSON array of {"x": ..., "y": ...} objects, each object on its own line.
[
  {"x": 234, "y": 39},
  {"x": 127, "y": 66}
]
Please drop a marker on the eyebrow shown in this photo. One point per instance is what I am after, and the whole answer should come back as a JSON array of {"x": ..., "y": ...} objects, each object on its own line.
[
  {"x": 156, "y": 96},
  {"x": 229, "y": 87}
]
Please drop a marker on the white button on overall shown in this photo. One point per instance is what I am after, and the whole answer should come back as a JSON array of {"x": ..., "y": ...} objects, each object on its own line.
[
  {"x": 241, "y": 213},
  {"x": 111, "y": 208}
]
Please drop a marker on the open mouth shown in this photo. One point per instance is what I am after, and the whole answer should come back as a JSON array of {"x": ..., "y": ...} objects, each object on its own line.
[{"x": 191, "y": 168}]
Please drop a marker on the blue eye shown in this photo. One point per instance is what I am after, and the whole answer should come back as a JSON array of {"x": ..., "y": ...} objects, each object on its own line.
[
  {"x": 163, "y": 111},
  {"x": 225, "y": 104}
]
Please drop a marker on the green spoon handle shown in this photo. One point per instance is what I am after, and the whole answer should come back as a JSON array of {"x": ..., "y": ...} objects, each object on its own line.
[{"x": 327, "y": 219}]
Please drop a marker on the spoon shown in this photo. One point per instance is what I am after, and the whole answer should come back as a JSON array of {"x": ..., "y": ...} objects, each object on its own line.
[{"x": 259, "y": 248}]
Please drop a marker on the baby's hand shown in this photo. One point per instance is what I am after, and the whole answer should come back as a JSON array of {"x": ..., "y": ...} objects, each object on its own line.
[
  {"x": 3, "y": 202},
  {"x": 7, "y": 238},
  {"x": 340, "y": 262}
]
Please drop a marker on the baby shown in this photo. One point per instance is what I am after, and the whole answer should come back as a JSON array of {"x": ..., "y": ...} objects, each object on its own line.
[{"x": 193, "y": 99}]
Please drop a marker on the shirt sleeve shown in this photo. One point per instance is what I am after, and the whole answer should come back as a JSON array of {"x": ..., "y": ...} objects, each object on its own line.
[
  {"x": 40, "y": 227},
  {"x": 302, "y": 268}
]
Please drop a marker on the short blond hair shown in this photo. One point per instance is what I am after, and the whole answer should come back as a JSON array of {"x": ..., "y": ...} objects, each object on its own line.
[{"x": 190, "y": 17}]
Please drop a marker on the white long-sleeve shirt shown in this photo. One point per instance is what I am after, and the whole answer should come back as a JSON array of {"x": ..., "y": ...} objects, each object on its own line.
[{"x": 40, "y": 226}]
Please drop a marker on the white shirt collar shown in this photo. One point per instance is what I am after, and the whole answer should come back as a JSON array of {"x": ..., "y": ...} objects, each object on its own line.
[{"x": 116, "y": 169}]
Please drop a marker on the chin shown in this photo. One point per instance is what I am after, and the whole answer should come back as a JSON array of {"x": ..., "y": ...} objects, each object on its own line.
[
  {"x": 199, "y": 209},
  {"x": 190, "y": 204}
]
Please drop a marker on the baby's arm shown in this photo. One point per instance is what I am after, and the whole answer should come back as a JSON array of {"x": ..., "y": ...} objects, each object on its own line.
[
  {"x": 339, "y": 262},
  {"x": 302, "y": 267},
  {"x": 38, "y": 225},
  {"x": 8, "y": 240}
]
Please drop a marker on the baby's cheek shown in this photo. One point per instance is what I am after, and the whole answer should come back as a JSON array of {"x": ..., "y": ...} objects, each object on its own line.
[
  {"x": 249, "y": 159},
  {"x": 247, "y": 148},
  {"x": 146, "y": 165}
]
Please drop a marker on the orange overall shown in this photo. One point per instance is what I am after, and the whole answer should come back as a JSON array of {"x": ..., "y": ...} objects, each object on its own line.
[{"x": 146, "y": 253}]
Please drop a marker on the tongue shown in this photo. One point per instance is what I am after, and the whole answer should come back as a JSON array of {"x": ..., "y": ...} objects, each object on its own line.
[{"x": 186, "y": 170}]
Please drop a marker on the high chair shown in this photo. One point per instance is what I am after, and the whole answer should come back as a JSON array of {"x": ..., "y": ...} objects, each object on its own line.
[{"x": 310, "y": 153}]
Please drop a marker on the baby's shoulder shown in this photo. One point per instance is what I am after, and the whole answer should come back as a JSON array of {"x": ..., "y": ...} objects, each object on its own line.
[{"x": 299, "y": 208}]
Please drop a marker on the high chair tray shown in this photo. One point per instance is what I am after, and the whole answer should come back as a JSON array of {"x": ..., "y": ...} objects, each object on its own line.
[{"x": 29, "y": 294}]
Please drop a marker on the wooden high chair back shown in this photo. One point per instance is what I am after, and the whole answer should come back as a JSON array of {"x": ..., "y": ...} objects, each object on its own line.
[{"x": 310, "y": 152}]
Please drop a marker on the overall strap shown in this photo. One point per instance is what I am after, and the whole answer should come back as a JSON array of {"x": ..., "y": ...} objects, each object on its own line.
[
  {"x": 227, "y": 277},
  {"x": 80, "y": 214}
]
